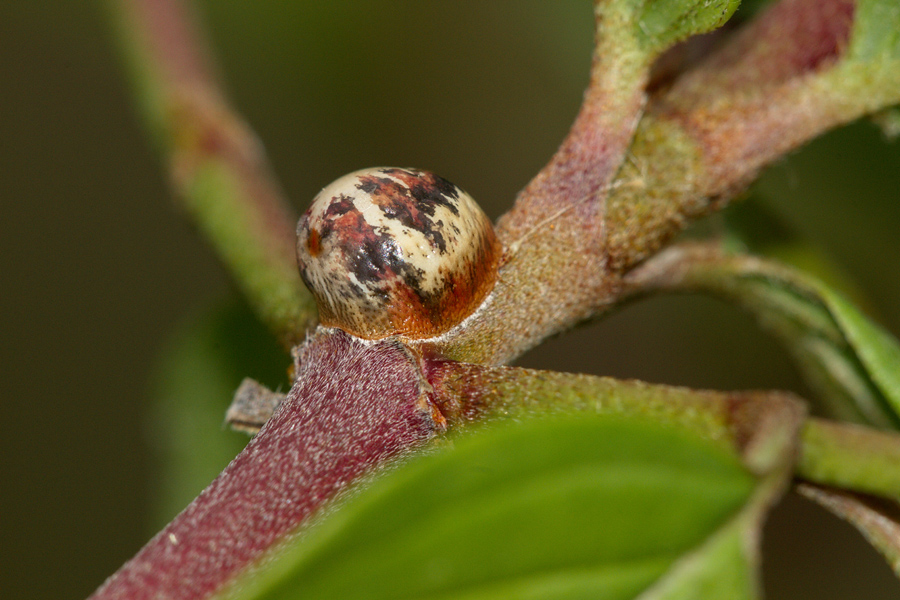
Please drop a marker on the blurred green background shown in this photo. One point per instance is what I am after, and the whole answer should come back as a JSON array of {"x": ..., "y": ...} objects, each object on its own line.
[{"x": 98, "y": 268}]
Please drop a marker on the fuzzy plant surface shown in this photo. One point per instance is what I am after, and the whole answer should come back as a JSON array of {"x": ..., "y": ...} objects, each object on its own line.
[{"x": 421, "y": 465}]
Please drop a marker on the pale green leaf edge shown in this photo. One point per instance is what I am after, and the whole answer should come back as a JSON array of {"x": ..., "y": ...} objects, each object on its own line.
[{"x": 877, "y": 349}]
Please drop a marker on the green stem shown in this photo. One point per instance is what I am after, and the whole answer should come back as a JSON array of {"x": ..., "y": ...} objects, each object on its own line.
[
  {"x": 759, "y": 427},
  {"x": 850, "y": 457},
  {"x": 215, "y": 163}
]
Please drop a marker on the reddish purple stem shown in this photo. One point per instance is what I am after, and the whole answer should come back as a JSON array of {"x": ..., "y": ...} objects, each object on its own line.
[{"x": 342, "y": 418}]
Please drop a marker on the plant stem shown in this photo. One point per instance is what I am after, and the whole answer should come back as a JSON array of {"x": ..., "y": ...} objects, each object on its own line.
[
  {"x": 755, "y": 426},
  {"x": 850, "y": 457},
  {"x": 215, "y": 164},
  {"x": 304, "y": 457},
  {"x": 787, "y": 76}
]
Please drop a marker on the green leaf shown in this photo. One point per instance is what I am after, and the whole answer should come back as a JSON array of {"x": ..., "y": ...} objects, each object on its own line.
[
  {"x": 849, "y": 360},
  {"x": 198, "y": 372},
  {"x": 877, "y": 519},
  {"x": 853, "y": 363},
  {"x": 876, "y": 31},
  {"x": 877, "y": 350},
  {"x": 724, "y": 567},
  {"x": 663, "y": 23},
  {"x": 592, "y": 506}
]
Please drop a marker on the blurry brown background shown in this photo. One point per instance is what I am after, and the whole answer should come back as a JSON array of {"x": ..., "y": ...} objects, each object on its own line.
[{"x": 97, "y": 266}]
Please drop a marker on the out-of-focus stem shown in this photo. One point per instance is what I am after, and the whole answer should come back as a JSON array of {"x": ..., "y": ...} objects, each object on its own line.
[
  {"x": 850, "y": 457},
  {"x": 215, "y": 164}
]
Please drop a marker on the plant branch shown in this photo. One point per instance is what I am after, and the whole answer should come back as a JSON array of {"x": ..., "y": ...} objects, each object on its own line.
[
  {"x": 850, "y": 457},
  {"x": 841, "y": 455},
  {"x": 356, "y": 405},
  {"x": 297, "y": 463},
  {"x": 749, "y": 424},
  {"x": 799, "y": 69},
  {"x": 554, "y": 233},
  {"x": 555, "y": 271},
  {"x": 634, "y": 171},
  {"x": 216, "y": 165}
]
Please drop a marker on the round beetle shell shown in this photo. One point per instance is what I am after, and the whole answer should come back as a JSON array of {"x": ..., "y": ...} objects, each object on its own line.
[{"x": 389, "y": 251}]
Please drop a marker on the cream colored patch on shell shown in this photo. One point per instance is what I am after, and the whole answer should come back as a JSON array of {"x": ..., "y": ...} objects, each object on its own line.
[
  {"x": 419, "y": 267},
  {"x": 416, "y": 248}
]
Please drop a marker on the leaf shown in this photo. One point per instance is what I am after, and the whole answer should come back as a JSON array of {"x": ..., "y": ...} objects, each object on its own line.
[
  {"x": 876, "y": 31},
  {"x": 197, "y": 374},
  {"x": 760, "y": 427},
  {"x": 723, "y": 567},
  {"x": 853, "y": 363},
  {"x": 877, "y": 519},
  {"x": 878, "y": 351},
  {"x": 592, "y": 506},
  {"x": 662, "y": 23},
  {"x": 848, "y": 359},
  {"x": 844, "y": 354}
]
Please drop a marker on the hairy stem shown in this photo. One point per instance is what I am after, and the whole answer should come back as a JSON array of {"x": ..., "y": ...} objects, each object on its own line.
[
  {"x": 784, "y": 78},
  {"x": 749, "y": 424},
  {"x": 299, "y": 462},
  {"x": 851, "y": 457}
]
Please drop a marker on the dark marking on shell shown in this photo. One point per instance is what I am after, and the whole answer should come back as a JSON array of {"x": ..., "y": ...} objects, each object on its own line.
[
  {"x": 399, "y": 203},
  {"x": 437, "y": 271},
  {"x": 340, "y": 205}
]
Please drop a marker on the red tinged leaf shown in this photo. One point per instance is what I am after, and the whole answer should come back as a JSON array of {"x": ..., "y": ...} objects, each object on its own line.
[
  {"x": 342, "y": 418},
  {"x": 799, "y": 68},
  {"x": 755, "y": 98}
]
